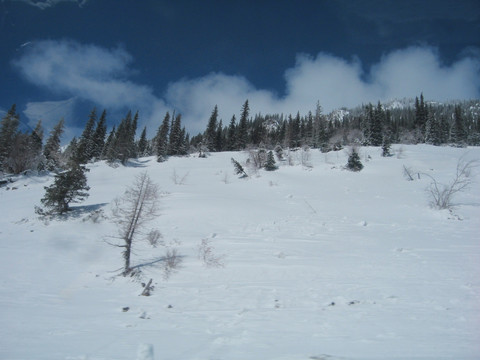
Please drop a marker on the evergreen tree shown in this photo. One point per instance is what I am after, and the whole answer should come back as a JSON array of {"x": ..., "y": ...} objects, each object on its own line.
[
  {"x": 238, "y": 169},
  {"x": 211, "y": 132},
  {"x": 51, "y": 151},
  {"x": 8, "y": 132},
  {"x": 420, "y": 115},
  {"x": 70, "y": 186},
  {"x": 99, "y": 136},
  {"x": 231, "y": 132},
  {"x": 242, "y": 134},
  {"x": 21, "y": 157},
  {"x": 36, "y": 139},
  {"x": 366, "y": 124},
  {"x": 458, "y": 132},
  {"x": 35, "y": 147},
  {"x": 68, "y": 156},
  {"x": 294, "y": 131},
  {"x": 176, "y": 140},
  {"x": 122, "y": 147},
  {"x": 270, "y": 165},
  {"x": 354, "y": 163},
  {"x": 386, "y": 146},
  {"x": 86, "y": 144},
  {"x": 133, "y": 151},
  {"x": 161, "y": 140},
  {"x": 220, "y": 138},
  {"x": 143, "y": 143},
  {"x": 376, "y": 126},
  {"x": 309, "y": 134},
  {"x": 107, "y": 149}
]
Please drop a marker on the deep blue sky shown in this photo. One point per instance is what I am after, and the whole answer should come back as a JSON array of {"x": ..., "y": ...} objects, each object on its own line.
[{"x": 173, "y": 52}]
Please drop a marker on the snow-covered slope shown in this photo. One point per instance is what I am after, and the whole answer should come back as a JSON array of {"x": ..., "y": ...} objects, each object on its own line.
[{"x": 319, "y": 263}]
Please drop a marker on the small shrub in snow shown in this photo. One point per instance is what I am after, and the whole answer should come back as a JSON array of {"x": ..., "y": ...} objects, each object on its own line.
[
  {"x": 354, "y": 163},
  {"x": 441, "y": 195},
  {"x": 178, "y": 179},
  {"x": 171, "y": 262},
  {"x": 206, "y": 253}
]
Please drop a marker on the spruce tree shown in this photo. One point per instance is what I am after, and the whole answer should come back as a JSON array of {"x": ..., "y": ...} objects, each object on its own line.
[
  {"x": 354, "y": 163},
  {"x": 231, "y": 138},
  {"x": 376, "y": 126},
  {"x": 143, "y": 143},
  {"x": 458, "y": 132},
  {"x": 86, "y": 144},
  {"x": 69, "y": 186},
  {"x": 107, "y": 149},
  {"x": 51, "y": 151},
  {"x": 242, "y": 134},
  {"x": 161, "y": 140},
  {"x": 220, "y": 137},
  {"x": 211, "y": 132},
  {"x": 99, "y": 136},
  {"x": 36, "y": 139},
  {"x": 8, "y": 132},
  {"x": 421, "y": 113},
  {"x": 270, "y": 165},
  {"x": 176, "y": 140}
]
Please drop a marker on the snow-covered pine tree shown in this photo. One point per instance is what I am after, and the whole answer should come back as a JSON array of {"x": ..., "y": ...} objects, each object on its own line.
[
  {"x": 107, "y": 149},
  {"x": 242, "y": 130},
  {"x": 69, "y": 186},
  {"x": 211, "y": 132},
  {"x": 51, "y": 151},
  {"x": 8, "y": 132},
  {"x": 231, "y": 138},
  {"x": 143, "y": 143},
  {"x": 376, "y": 125},
  {"x": 176, "y": 140},
  {"x": 99, "y": 136},
  {"x": 161, "y": 140},
  {"x": 86, "y": 144},
  {"x": 354, "y": 163},
  {"x": 270, "y": 165}
]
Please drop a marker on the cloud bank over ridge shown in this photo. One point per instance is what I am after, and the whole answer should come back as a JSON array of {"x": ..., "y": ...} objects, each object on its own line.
[{"x": 92, "y": 73}]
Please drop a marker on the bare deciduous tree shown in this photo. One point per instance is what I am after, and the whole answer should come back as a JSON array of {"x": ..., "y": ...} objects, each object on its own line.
[
  {"x": 441, "y": 195},
  {"x": 132, "y": 211}
]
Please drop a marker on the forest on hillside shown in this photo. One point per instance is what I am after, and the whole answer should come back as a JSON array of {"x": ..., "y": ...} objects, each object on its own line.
[{"x": 406, "y": 122}]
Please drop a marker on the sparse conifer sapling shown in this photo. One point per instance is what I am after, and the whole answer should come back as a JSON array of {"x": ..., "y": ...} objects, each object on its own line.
[
  {"x": 270, "y": 164},
  {"x": 354, "y": 163}
]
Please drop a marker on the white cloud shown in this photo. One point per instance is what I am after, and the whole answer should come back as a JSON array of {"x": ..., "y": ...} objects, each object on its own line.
[
  {"x": 86, "y": 71},
  {"x": 102, "y": 76},
  {"x": 50, "y": 112},
  {"x": 45, "y": 4},
  {"x": 334, "y": 82}
]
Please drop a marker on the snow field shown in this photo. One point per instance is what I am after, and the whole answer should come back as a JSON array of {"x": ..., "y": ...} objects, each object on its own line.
[{"x": 319, "y": 263}]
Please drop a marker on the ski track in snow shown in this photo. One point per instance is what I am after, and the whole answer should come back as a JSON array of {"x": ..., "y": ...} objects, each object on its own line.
[{"x": 319, "y": 263}]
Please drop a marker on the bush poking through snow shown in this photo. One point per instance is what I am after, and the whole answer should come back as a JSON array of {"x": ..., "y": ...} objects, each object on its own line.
[
  {"x": 171, "y": 262},
  {"x": 206, "y": 253},
  {"x": 441, "y": 195},
  {"x": 178, "y": 179}
]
